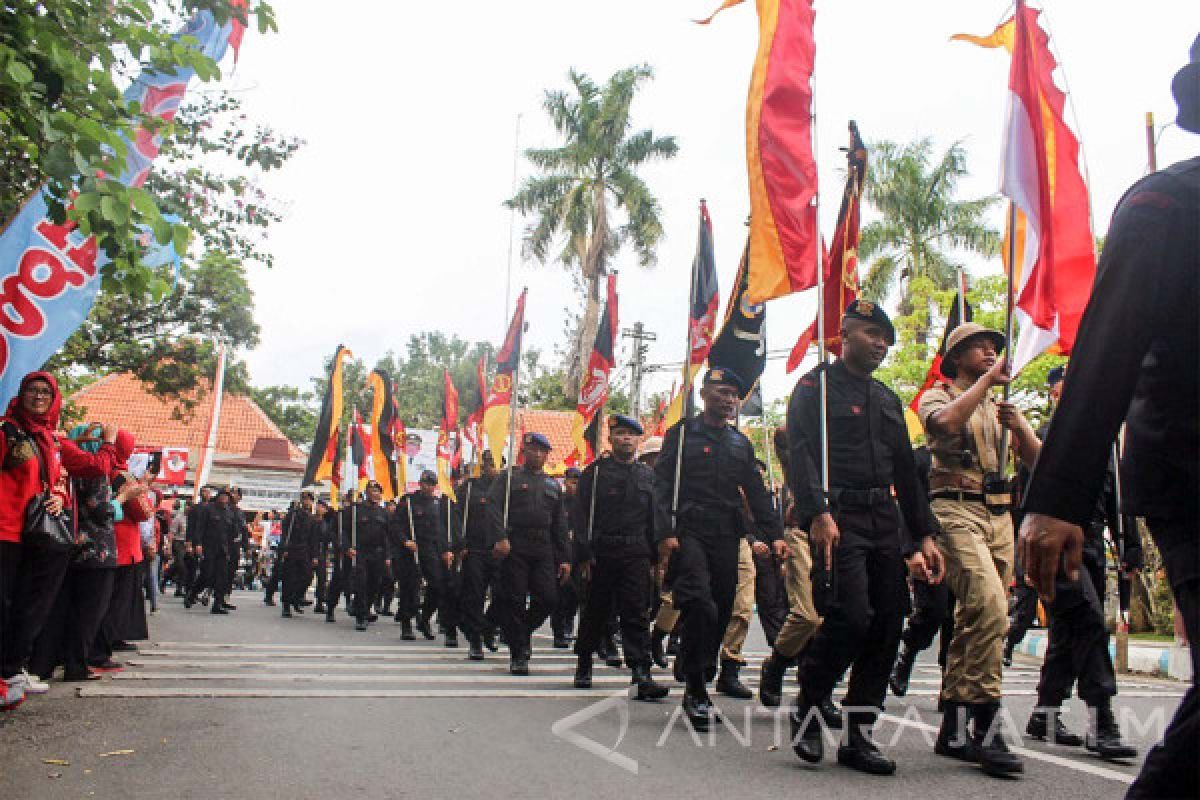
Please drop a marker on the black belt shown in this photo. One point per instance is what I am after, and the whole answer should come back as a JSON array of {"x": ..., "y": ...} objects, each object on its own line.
[
  {"x": 532, "y": 532},
  {"x": 861, "y": 498},
  {"x": 604, "y": 538},
  {"x": 969, "y": 497}
]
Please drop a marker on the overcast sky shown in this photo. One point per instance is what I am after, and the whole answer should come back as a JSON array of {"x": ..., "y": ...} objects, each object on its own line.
[{"x": 394, "y": 223}]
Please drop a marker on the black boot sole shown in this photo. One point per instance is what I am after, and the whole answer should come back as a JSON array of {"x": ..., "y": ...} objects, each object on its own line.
[{"x": 870, "y": 765}]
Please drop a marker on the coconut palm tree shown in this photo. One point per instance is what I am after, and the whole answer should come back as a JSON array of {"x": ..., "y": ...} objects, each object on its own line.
[
  {"x": 922, "y": 226},
  {"x": 587, "y": 195}
]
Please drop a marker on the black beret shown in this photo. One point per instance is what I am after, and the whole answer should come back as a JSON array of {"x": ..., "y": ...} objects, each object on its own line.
[
  {"x": 572, "y": 472},
  {"x": 867, "y": 311},
  {"x": 726, "y": 376},
  {"x": 626, "y": 421},
  {"x": 429, "y": 476},
  {"x": 537, "y": 440}
]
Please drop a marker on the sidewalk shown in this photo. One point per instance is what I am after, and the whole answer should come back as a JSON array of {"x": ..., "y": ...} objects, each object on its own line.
[{"x": 1156, "y": 658}]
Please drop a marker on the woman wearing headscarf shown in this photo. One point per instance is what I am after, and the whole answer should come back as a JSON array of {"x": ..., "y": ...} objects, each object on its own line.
[
  {"x": 68, "y": 636},
  {"x": 32, "y": 459}
]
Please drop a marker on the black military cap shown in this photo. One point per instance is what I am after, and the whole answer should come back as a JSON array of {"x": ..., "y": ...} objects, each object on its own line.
[
  {"x": 725, "y": 376},
  {"x": 1055, "y": 375},
  {"x": 867, "y": 311},
  {"x": 429, "y": 477},
  {"x": 309, "y": 494},
  {"x": 572, "y": 472},
  {"x": 625, "y": 421},
  {"x": 374, "y": 485},
  {"x": 536, "y": 440}
]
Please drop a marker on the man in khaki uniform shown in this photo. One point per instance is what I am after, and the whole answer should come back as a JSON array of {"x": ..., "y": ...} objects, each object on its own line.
[{"x": 971, "y": 498}]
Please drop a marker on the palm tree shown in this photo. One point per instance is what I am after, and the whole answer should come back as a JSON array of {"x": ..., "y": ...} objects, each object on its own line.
[
  {"x": 922, "y": 225},
  {"x": 583, "y": 183}
]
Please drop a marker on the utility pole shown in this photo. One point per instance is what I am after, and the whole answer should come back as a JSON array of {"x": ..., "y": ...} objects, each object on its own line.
[{"x": 637, "y": 362}]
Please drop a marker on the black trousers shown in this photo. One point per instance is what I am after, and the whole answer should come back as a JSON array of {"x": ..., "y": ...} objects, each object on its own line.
[
  {"x": 69, "y": 634},
  {"x": 1077, "y": 649},
  {"x": 770, "y": 596},
  {"x": 297, "y": 573},
  {"x": 933, "y": 613},
  {"x": 562, "y": 620},
  {"x": 30, "y": 579},
  {"x": 215, "y": 575},
  {"x": 180, "y": 567},
  {"x": 1024, "y": 611},
  {"x": 703, "y": 579},
  {"x": 407, "y": 577},
  {"x": 479, "y": 574},
  {"x": 369, "y": 570},
  {"x": 864, "y": 615},
  {"x": 618, "y": 578},
  {"x": 529, "y": 571},
  {"x": 439, "y": 596},
  {"x": 339, "y": 582},
  {"x": 321, "y": 571},
  {"x": 1171, "y": 768},
  {"x": 271, "y": 584}
]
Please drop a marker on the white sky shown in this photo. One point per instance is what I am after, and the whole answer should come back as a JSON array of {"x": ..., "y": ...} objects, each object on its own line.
[{"x": 395, "y": 223}]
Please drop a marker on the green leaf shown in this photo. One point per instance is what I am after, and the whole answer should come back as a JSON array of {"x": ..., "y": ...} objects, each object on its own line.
[
  {"x": 180, "y": 237},
  {"x": 19, "y": 72},
  {"x": 162, "y": 230},
  {"x": 143, "y": 203}
]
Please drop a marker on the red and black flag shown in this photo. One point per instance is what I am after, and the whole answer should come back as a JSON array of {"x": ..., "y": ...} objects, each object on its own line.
[
  {"x": 702, "y": 314},
  {"x": 741, "y": 345},
  {"x": 841, "y": 261},
  {"x": 960, "y": 312},
  {"x": 324, "y": 452},
  {"x": 593, "y": 393},
  {"x": 498, "y": 405},
  {"x": 360, "y": 450}
]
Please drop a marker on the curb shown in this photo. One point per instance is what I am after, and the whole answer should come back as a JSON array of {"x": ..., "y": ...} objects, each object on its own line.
[{"x": 1167, "y": 662}]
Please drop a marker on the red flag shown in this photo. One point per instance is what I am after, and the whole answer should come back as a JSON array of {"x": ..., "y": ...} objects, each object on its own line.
[
  {"x": 447, "y": 449},
  {"x": 594, "y": 391},
  {"x": 474, "y": 427},
  {"x": 498, "y": 405},
  {"x": 360, "y": 449}
]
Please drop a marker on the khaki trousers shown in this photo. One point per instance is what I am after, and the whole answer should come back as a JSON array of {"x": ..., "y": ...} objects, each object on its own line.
[
  {"x": 802, "y": 619},
  {"x": 978, "y": 548},
  {"x": 743, "y": 607}
]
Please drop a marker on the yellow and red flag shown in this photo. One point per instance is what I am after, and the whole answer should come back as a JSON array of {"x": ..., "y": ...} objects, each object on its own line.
[
  {"x": 841, "y": 262},
  {"x": 447, "y": 444},
  {"x": 1055, "y": 262},
  {"x": 324, "y": 452},
  {"x": 384, "y": 417},
  {"x": 594, "y": 391},
  {"x": 497, "y": 408},
  {"x": 473, "y": 430}
]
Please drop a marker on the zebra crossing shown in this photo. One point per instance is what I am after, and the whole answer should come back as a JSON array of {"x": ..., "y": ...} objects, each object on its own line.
[{"x": 203, "y": 669}]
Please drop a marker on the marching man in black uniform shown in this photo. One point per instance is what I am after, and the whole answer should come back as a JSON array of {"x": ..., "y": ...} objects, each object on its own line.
[
  {"x": 699, "y": 548},
  {"x": 218, "y": 525},
  {"x": 366, "y": 526},
  {"x": 427, "y": 526},
  {"x": 479, "y": 568},
  {"x": 855, "y": 535},
  {"x": 297, "y": 549},
  {"x": 533, "y": 546},
  {"x": 616, "y": 495}
]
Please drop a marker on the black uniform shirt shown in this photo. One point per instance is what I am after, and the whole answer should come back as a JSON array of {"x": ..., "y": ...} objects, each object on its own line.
[
  {"x": 718, "y": 467},
  {"x": 1135, "y": 359},
  {"x": 365, "y": 528},
  {"x": 472, "y": 512},
  {"x": 428, "y": 520},
  {"x": 626, "y": 505},
  {"x": 218, "y": 526},
  {"x": 868, "y": 447},
  {"x": 301, "y": 533},
  {"x": 535, "y": 504}
]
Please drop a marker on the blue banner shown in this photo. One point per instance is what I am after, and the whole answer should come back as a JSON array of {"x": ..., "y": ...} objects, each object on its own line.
[{"x": 50, "y": 274}]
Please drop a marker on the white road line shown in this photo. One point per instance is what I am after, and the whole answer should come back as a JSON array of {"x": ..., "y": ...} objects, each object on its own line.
[
  {"x": 234, "y": 692},
  {"x": 362, "y": 658},
  {"x": 1037, "y": 755},
  {"x": 493, "y": 677}
]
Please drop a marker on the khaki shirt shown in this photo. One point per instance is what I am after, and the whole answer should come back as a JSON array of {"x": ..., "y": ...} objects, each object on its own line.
[{"x": 980, "y": 438}]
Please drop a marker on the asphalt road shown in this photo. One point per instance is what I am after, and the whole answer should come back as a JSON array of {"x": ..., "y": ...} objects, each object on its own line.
[{"x": 250, "y": 705}]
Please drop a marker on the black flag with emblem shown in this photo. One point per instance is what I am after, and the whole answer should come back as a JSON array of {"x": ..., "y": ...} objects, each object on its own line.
[{"x": 741, "y": 345}]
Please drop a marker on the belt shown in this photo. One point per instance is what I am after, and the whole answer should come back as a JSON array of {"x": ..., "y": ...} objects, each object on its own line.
[
  {"x": 861, "y": 498},
  {"x": 609, "y": 539},
  {"x": 969, "y": 497},
  {"x": 531, "y": 532},
  {"x": 953, "y": 481}
]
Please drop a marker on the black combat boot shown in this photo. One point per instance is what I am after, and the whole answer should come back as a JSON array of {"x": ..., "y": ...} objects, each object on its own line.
[
  {"x": 560, "y": 641},
  {"x": 319, "y": 608},
  {"x": 489, "y": 641},
  {"x": 994, "y": 756},
  {"x": 451, "y": 638},
  {"x": 329, "y": 614},
  {"x": 830, "y": 713},
  {"x": 474, "y": 648},
  {"x": 1045, "y": 724},
  {"x": 1104, "y": 738},
  {"x": 859, "y": 751},
  {"x": 696, "y": 703},
  {"x": 287, "y": 611},
  {"x": 902, "y": 671},
  {"x": 647, "y": 688},
  {"x": 360, "y": 624},
  {"x": 612, "y": 653},
  {"x": 423, "y": 627},
  {"x": 673, "y": 644},
  {"x": 1009, "y": 645},
  {"x": 518, "y": 664},
  {"x": 804, "y": 721},
  {"x": 657, "y": 639},
  {"x": 269, "y": 599},
  {"x": 953, "y": 740},
  {"x": 770, "y": 680},
  {"x": 217, "y": 608},
  {"x": 297, "y": 608},
  {"x": 728, "y": 682},
  {"x": 583, "y": 672},
  {"x": 406, "y": 630}
]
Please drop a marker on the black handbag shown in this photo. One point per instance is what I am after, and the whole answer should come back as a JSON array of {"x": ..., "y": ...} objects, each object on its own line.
[{"x": 42, "y": 529}]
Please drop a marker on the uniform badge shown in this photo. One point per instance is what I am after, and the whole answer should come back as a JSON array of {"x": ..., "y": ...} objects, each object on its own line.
[{"x": 866, "y": 308}]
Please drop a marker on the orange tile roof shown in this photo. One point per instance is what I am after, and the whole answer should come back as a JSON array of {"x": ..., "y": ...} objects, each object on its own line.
[
  {"x": 156, "y": 422},
  {"x": 555, "y": 426}
]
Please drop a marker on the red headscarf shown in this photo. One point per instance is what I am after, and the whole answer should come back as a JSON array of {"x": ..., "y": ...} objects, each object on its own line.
[
  {"x": 124, "y": 446},
  {"x": 40, "y": 427}
]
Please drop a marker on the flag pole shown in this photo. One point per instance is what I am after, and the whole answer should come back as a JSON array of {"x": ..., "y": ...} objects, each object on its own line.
[
  {"x": 595, "y": 472},
  {"x": 1008, "y": 322},
  {"x": 686, "y": 390},
  {"x": 962, "y": 296},
  {"x": 512, "y": 421}
]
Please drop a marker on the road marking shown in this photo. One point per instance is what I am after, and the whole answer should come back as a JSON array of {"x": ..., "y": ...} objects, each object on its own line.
[
  {"x": 1037, "y": 755},
  {"x": 232, "y": 692},
  {"x": 495, "y": 676}
]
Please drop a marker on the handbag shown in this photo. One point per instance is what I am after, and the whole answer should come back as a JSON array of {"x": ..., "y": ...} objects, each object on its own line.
[{"x": 42, "y": 529}]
